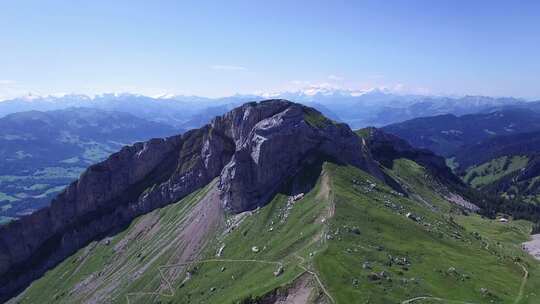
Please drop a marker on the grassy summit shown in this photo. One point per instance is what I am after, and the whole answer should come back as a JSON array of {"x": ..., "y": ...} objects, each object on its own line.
[{"x": 315, "y": 118}]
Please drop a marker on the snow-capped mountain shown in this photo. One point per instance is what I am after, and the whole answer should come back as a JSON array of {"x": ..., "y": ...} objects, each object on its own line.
[{"x": 374, "y": 107}]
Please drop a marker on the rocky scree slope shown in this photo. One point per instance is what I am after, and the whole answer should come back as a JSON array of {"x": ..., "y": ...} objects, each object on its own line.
[{"x": 251, "y": 149}]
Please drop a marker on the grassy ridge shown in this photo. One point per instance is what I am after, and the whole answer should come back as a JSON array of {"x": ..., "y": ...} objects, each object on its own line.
[
  {"x": 447, "y": 258},
  {"x": 278, "y": 232},
  {"x": 316, "y": 119},
  {"x": 494, "y": 170},
  {"x": 499, "y": 176},
  {"x": 351, "y": 230}
]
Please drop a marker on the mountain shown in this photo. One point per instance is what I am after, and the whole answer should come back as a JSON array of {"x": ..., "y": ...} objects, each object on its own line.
[
  {"x": 525, "y": 144},
  {"x": 269, "y": 203},
  {"x": 447, "y": 134},
  {"x": 184, "y": 112},
  {"x": 175, "y": 110},
  {"x": 496, "y": 152},
  {"x": 387, "y": 148},
  {"x": 358, "y": 109},
  {"x": 506, "y": 165},
  {"x": 381, "y": 107},
  {"x": 42, "y": 152},
  {"x": 243, "y": 148},
  {"x": 531, "y": 106}
]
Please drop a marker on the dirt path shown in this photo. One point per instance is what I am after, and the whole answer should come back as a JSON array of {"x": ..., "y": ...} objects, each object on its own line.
[
  {"x": 413, "y": 300},
  {"x": 168, "y": 283},
  {"x": 316, "y": 276},
  {"x": 523, "y": 283},
  {"x": 325, "y": 193},
  {"x": 180, "y": 238}
]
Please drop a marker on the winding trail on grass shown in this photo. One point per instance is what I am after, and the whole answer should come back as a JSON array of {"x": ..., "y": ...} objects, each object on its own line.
[
  {"x": 409, "y": 301},
  {"x": 316, "y": 276},
  {"x": 169, "y": 291},
  {"x": 172, "y": 292},
  {"x": 523, "y": 283}
]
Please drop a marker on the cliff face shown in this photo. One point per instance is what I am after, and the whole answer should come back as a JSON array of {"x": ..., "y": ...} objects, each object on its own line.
[
  {"x": 252, "y": 149},
  {"x": 276, "y": 147}
]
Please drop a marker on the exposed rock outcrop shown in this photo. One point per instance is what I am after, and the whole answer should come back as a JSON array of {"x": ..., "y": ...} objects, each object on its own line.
[
  {"x": 276, "y": 147},
  {"x": 252, "y": 149}
]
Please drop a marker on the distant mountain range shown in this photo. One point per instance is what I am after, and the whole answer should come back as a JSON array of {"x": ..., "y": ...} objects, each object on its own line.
[
  {"x": 173, "y": 111},
  {"x": 358, "y": 109},
  {"x": 41, "y": 152},
  {"x": 497, "y": 152},
  {"x": 48, "y": 141},
  {"x": 378, "y": 108},
  {"x": 447, "y": 134}
]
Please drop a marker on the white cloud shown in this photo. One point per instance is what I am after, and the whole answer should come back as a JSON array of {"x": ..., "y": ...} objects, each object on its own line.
[
  {"x": 335, "y": 78},
  {"x": 306, "y": 87},
  {"x": 7, "y": 82},
  {"x": 300, "y": 82},
  {"x": 399, "y": 87},
  {"x": 228, "y": 67},
  {"x": 10, "y": 89},
  {"x": 330, "y": 86}
]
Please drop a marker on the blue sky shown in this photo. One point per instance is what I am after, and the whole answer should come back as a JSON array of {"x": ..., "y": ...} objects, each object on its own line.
[{"x": 217, "y": 48}]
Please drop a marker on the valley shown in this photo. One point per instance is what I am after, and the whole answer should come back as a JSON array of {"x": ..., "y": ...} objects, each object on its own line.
[
  {"x": 43, "y": 152},
  {"x": 502, "y": 164}
]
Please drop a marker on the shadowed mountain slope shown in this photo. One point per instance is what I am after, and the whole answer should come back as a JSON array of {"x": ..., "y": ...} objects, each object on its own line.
[{"x": 447, "y": 134}]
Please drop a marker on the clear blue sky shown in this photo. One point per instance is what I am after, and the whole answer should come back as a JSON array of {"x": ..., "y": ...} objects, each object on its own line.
[{"x": 216, "y": 48}]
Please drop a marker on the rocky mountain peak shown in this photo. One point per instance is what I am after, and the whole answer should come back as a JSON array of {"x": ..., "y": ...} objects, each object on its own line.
[
  {"x": 273, "y": 140},
  {"x": 252, "y": 150}
]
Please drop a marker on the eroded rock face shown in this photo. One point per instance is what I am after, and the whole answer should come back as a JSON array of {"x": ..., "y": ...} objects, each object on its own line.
[
  {"x": 276, "y": 148},
  {"x": 252, "y": 149}
]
